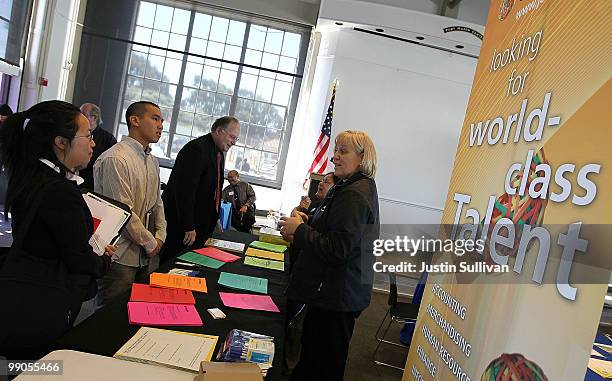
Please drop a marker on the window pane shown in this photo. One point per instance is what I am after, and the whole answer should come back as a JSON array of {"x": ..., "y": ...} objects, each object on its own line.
[
  {"x": 183, "y": 125},
  {"x": 142, "y": 35},
  {"x": 210, "y": 76},
  {"x": 155, "y": 67},
  {"x": 243, "y": 110},
  {"x": 150, "y": 91},
  {"x": 222, "y": 103},
  {"x": 232, "y": 53},
  {"x": 177, "y": 143},
  {"x": 235, "y": 35},
  {"x": 197, "y": 46},
  {"x": 215, "y": 50},
  {"x": 138, "y": 63},
  {"x": 163, "y": 18},
  {"x": 234, "y": 157},
  {"x": 166, "y": 95},
  {"x": 252, "y": 57},
  {"x": 254, "y": 138},
  {"x": 227, "y": 81},
  {"x": 291, "y": 44},
  {"x": 193, "y": 74},
  {"x": 276, "y": 117},
  {"x": 252, "y": 157},
  {"x": 180, "y": 22},
  {"x": 218, "y": 29},
  {"x": 160, "y": 38},
  {"x": 133, "y": 88},
  {"x": 123, "y": 130},
  {"x": 167, "y": 115},
  {"x": 172, "y": 70},
  {"x": 188, "y": 99},
  {"x": 287, "y": 64},
  {"x": 264, "y": 89},
  {"x": 282, "y": 93},
  {"x": 260, "y": 111},
  {"x": 206, "y": 102},
  {"x": 201, "y": 25},
  {"x": 201, "y": 125},
  {"x": 274, "y": 41},
  {"x": 247, "y": 86},
  {"x": 257, "y": 37},
  {"x": 146, "y": 14},
  {"x": 159, "y": 149},
  {"x": 268, "y": 165},
  {"x": 176, "y": 42},
  {"x": 270, "y": 61},
  {"x": 272, "y": 140}
]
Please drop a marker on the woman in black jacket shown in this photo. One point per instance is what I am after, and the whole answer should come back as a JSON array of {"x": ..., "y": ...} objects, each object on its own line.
[
  {"x": 333, "y": 273},
  {"x": 41, "y": 149}
]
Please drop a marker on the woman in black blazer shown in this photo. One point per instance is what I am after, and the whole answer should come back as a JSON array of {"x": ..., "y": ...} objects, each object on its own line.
[
  {"x": 333, "y": 273},
  {"x": 41, "y": 150}
]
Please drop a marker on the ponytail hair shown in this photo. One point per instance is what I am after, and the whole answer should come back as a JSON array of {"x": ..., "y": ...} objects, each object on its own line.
[{"x": 26, "y": 137}]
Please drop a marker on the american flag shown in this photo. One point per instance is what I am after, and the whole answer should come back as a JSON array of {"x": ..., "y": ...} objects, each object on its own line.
[{"x": 319, "y": 163}]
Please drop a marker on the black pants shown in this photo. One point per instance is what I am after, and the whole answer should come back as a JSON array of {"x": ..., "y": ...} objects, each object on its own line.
[{"x": 325, "y": 344}]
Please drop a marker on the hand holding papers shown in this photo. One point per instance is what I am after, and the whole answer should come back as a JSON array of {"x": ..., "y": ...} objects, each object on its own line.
[
  {"x": 163, "y": 314},
  {"x": 178, "y": 281},
  {"x": 109, "y": 217},
  {"x": 179, "y": 350},
  {"x": 249, "y": 302}
]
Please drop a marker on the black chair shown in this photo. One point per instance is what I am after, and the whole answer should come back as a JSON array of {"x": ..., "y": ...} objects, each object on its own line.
[{"x": 399, "y": 312}]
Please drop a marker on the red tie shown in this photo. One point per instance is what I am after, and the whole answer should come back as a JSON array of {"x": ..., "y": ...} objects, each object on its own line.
[{"x": 218, "y": 195}]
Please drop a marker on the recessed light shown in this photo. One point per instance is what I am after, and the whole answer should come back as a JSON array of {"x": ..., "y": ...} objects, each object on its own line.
[
  {"x": 380, "y": 30},
  {"x": 339, "y": 23},
  {"x": 420, "y": 37},
  {"x": 459, "y": 46}
]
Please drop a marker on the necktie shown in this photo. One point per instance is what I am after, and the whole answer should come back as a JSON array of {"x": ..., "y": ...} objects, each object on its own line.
[{"x": 218, "y": 194}]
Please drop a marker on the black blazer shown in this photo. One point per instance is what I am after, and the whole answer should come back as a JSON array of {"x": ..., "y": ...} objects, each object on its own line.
[
  {"x": 334, "y": 267},
  {"x": 189, "y": 198},
  {"x": 61, "y": 229}
]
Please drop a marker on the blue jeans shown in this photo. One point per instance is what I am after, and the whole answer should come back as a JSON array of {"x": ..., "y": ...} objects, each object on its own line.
[{"x": 119, "y": 279}]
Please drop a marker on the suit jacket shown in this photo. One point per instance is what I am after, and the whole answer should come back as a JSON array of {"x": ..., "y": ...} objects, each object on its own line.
[
  {"x": 104, "y": 140},
  {"x": 189, "y": 198}
]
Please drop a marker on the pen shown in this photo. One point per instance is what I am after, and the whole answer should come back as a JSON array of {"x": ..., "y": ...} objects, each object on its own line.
[{"x": 185, "y": 264}]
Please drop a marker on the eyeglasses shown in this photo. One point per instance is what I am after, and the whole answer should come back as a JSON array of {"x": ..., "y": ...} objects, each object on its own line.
[
  {"x": 233, "y": 137},
  {"x": 88, "y": 136}
]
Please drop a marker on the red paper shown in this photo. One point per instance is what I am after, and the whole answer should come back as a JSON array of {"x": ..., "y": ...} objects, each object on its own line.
[
  {"x": 163, "y": 314},
  {"x": 146, "y": 293},
  {"x": 249, "y": 302},
  {"x": 96, "y": 223},
  {"x": 217, "y": 254}
]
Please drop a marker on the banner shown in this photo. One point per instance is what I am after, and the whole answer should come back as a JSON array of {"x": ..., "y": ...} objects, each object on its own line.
[{"x": 532, "y": 187}]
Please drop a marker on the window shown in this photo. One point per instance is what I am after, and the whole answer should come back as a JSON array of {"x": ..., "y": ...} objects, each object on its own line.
[
  {"x": 13, "y": 24},
  {"x": 200, "y": 66}
]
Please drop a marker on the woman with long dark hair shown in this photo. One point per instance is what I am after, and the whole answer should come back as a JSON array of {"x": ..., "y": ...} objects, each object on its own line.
[{"x": 51, "y": 267}]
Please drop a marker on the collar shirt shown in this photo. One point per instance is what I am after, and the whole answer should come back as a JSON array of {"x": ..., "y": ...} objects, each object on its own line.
[
  {"x": 70, "y": 176},
  {"x": 242, "y": 193},
  {"x": 128, "y": 173}
]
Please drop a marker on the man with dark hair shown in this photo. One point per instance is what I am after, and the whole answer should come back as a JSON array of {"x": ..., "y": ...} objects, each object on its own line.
[
  {"x": 242, "y": 196},
  {"x": 103, "y": 139},
  {"x": 193, "y": 194},
  {"x": 127, "y": 172},
  {"x": 5, "y": 112}
]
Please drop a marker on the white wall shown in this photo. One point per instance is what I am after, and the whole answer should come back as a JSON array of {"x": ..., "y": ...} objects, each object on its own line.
[{"x": 410, "y": 99}]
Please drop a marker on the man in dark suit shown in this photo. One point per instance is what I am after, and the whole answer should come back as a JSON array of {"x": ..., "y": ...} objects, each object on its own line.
[
  {"x": 193, "y": 193},
  {"x": 103, "y": 139}
]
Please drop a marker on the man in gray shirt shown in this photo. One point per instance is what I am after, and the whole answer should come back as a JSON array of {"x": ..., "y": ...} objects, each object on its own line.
[{"x": 128, "y": 173}]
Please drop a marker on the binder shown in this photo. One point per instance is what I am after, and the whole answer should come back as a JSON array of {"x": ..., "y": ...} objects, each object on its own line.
[{"x": 109, "y": 218}]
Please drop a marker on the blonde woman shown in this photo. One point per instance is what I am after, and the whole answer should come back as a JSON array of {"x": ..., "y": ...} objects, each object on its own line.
[{"x": 333, "y": 273}]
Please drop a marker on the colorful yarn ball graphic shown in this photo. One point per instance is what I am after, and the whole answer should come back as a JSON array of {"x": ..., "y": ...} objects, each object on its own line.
[{"x": 513, "y": 367}]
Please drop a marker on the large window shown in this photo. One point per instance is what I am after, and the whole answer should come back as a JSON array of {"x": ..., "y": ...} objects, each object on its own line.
[{"x": 199, "y": 66}]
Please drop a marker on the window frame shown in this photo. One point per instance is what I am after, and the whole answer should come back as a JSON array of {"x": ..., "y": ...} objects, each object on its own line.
[{"x": 303, "y": 30}]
